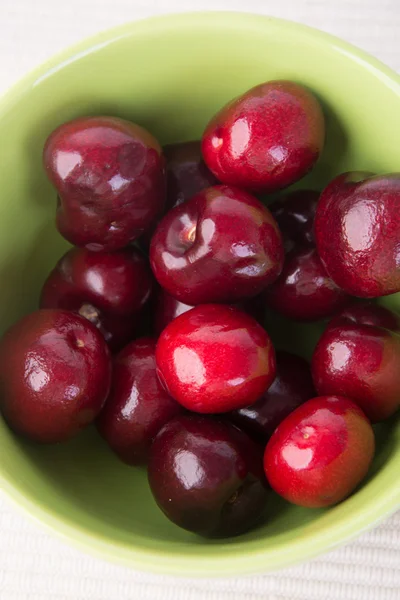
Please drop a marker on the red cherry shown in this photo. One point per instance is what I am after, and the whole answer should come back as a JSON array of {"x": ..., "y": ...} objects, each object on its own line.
[
  {"x": 55, "y": 374},
  {"x": 221, "y": 246},
  {"x": 137, "y": 406},
  {"x": 361, "y": 362},
  {"x": 357, "y": 228},
  {"x": 295, "y": 212},
  {"x": 108, "y": 289},
  {"x": 187, "y": 173},
  {"x": 215, "y": 358},
  {"x": 109, "y": 174},
  {"x": 292, "y": 386},
  {"x": 304, "y": 291},
  {"x": 207, "y": 476},
  {"x": 320, "y": 453},
  {"x": 367, "y": 313},
  {"x": 266, "y": 139},
  {"x": 167, "y": 309}
]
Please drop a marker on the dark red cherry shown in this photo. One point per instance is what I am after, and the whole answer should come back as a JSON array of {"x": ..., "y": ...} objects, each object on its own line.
[
  {"x": 304, "y": 291},
  {"x": 138, "y": 406},
  {"x": 108, "y": 289},
  {"x": 361, "y": 362},
  {"x": 110, "y": 179},
  {"x": 55, "y": 374},
  {"x": 223, "y": 245},
  {"x": 292, "y": 386},
  {"x": 368, "y": 313},
  {"x": 167, "y": 309},
  {"x": 207, "y": 476},
  {"x": 295, "y": 212},
  {"x": 187, "y": 173}
]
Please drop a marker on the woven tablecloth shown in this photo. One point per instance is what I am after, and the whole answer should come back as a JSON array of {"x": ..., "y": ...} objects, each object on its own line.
[{"x": 37, "y": 566}]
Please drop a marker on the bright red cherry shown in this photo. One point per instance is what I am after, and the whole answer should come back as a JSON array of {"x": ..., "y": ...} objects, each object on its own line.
[
  {"x": 292, "y": 386},
  {"x": 361, "y": 362},
  {"x": 109, "y": 174},
  {"x": 295, "y": 212},
  {"x": 55, "y": 374},
  {"x": 320, "y": 452},
  {"x": 304, "y": 291},
  {"x": 138, "y": 406},
  {"x": 108, "y": 289},
  {"x": 223, "y": 245},
  {"x": 357, "y": 228},
  {"x": 207, "y": 476},
  {"x": 215, "y": 358},
  {"x": 266, "y": 139}
]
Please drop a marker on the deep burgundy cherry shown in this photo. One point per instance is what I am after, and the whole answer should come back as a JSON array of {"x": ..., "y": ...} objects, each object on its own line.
[
  {"x": 207, "y": 476},
  {"x": 223, "y": 245},
  {"x": 110, "y": 179},
  {"x": 357, "y": 228},
  {"x": 295, "y": 213},
  {"x": 304, "y": 291},
  {"x": 266, "y": 139},
  {"x": 187, "y": 173},
  {"x": 109, "y": 289},
  {"x": 138, "y": 406},
  {"x": 166, "y": 310},
  {"x": 215, "y": 358},
  {"x": 320, "y": 452},
  {"x": 292, "y": 386},
  {"x": 368, "y": 313},
  {"x": 361, "y": 362},
  {"x": 55, "y": 374}
]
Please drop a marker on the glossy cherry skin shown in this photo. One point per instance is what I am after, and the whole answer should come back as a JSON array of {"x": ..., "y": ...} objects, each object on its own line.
[
  {"x": 206, "y": 476},
  {"x": 109, "y": 289},
  {"x": 295, "y": 213},
  {"x": 320, "y": 452},
  {"x": 304, "y": 291},
  {"x": 138, "y": 406},
  {"x": 357, "y": 228},
  {"x": 187, "y": 173},
  {"x": 266, "y": 139},
  {"x": 215, "y": 358},
  {"x": 55, "y": 375},
  {"x": 292, "y": 386},
  {"x": 110, "y": 179},
  {"x": 367, "y": 313},
  {"x": 167, "y": 308},
  {"x": 223, "y": 245},
  {"x": 361, "y": 362}
]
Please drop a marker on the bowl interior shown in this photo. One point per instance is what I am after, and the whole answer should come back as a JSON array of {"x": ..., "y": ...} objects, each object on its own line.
[{"x": 170, "y": 75}]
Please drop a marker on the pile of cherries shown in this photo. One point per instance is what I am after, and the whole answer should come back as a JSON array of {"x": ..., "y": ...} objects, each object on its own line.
[{"x": 151, "y": 326}]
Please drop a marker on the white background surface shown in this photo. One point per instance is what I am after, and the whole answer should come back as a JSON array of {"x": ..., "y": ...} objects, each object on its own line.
[{"x": 33, "y": 564}]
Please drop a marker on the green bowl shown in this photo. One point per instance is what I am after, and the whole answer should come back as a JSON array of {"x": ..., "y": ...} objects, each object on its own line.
[{"x": 171, "y": 74}]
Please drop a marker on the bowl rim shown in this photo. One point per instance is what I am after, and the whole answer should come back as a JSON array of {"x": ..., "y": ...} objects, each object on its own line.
[{"x": 232, "y": 560}]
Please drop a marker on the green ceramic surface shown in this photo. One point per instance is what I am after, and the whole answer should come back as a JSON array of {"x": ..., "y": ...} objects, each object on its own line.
[{"x": 171, "y": 74}]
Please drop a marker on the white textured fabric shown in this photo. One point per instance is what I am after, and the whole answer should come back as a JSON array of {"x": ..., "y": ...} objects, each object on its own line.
[{"x": 35, "y": 565}]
